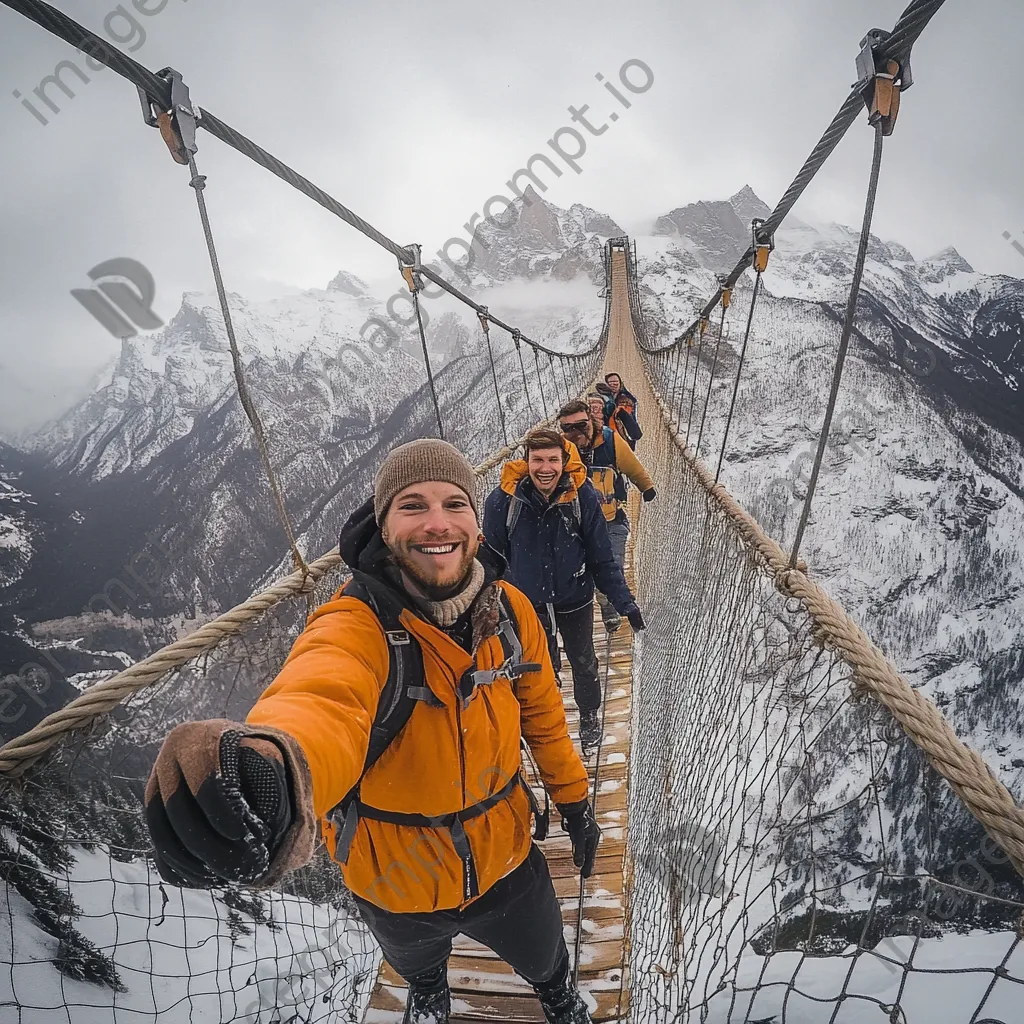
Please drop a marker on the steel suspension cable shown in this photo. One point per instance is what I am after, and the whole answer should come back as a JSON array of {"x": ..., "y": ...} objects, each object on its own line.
[
  {"x": 693, "y": 392},
  {"x": 739, "y": 371},
  {"x": 426, "y": 360},
  {"x": 711, "y": 380},
  {"x": 896, "y": 46},
  {"x": 494, "y": 376},
  {"x": 59, "y": 24},
  {"x": 844, "y": 341},
  {"x": 198, "y": 183}
]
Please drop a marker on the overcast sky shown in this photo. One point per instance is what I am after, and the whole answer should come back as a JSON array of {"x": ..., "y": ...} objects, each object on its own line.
[{"x": 414, "y": 113}]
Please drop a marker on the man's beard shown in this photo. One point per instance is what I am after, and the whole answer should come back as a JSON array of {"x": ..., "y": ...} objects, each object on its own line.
[{"x": 431, "y": 587}]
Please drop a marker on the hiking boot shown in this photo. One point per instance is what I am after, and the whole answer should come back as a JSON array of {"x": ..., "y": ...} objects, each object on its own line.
[
  {"x": 612, "y": 623},
  {"x": 561, "y": 1002},
  {"x": 590, "y": 729},
  {"x": 429, "y": 1001}
]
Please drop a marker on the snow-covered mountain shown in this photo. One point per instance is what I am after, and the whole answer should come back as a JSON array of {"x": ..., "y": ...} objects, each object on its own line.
[{"x": 917, "y": 524}]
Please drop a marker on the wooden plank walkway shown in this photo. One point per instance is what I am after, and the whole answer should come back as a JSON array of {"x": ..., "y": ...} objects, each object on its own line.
[{"x": 486, "y": 988}]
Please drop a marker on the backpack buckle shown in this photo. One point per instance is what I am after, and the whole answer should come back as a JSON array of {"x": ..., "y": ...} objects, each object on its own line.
[{"x": 397, "y": 637}]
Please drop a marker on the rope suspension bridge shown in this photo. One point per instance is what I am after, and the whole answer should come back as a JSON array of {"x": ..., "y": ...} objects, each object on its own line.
[{"x": 763, "y": 770}]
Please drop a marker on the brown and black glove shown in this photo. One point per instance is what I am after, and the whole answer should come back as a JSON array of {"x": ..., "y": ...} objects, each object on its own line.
[
  {"x": 220, "y": 802},
  {"x": 584, "y": 834}
]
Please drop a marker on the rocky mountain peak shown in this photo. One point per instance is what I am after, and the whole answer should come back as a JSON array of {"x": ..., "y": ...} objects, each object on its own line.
[
  {"x": 944, "y": 264},
  {"x": 748, "y": 205},
  {"x": 718, "y": 234},
  {"x": 348, "y": 283}
]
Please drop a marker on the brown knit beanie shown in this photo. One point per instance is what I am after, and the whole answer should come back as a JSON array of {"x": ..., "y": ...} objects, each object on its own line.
[{"x": 417, "y": 462}]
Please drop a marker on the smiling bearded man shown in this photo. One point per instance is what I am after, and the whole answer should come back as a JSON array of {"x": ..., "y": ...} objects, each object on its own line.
[{"x": 429, "y": 656}]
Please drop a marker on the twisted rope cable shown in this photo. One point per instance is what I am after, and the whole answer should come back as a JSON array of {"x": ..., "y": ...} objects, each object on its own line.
[
  {"x": 101, "y": 50},
  {"x": 19, "y": 754}
]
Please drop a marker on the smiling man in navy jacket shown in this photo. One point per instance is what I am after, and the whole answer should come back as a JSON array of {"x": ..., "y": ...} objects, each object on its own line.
[{"x": 545, "y": 517}]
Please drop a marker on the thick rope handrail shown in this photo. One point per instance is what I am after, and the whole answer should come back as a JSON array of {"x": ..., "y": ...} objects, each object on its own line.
[
  {"x": 967, "y": 773},
  {"x": 20, "y": 753},
  {"x": 59, "y": 24}
]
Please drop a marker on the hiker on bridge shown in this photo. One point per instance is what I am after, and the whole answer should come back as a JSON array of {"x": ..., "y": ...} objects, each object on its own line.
[
  {"x": 609, "y": 461},
  {"x": 596, "y": 404},
  {"x": 545, "y": 518},
  {"x": 620, "y": 408},
  {"x": 427, "y": 655}
]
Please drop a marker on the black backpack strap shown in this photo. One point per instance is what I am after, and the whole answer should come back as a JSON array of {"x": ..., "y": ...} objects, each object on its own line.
[
  {"x": 512, "y": 666},
  {"x": 405, "y": 685}
]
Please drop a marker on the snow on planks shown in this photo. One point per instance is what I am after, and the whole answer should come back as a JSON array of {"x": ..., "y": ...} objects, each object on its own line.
[{"x": 485, "y": 987}]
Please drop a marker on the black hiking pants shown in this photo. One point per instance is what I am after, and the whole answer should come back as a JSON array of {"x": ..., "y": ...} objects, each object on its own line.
[
  {"x": 518, "y": 917},
  {"x": 577, "y": 629}
]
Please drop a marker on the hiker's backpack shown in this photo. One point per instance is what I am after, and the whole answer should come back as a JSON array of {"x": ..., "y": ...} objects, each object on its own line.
[
  {"x": 406, "y": 683},
  {"x": 620, "y": 485}
]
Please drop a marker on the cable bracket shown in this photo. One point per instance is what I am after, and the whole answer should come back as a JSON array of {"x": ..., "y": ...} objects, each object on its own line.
[
  {"x": 881, "y": 80},
  {"x": 178, "y": 124}
]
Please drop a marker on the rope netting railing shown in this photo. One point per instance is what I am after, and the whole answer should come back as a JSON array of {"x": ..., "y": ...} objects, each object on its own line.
[{"x": 796, "y": 856}]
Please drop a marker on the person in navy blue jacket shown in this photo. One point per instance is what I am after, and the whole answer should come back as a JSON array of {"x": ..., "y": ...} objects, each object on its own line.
[{"x": 546, "y": 519}]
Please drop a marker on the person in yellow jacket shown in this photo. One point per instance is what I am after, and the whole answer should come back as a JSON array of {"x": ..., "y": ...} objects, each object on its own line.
[
  {"x": 395, "y": 725},
  {"x": 608, "y": 458}
]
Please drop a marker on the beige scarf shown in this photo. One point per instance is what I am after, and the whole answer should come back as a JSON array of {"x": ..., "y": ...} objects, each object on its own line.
[{"x": 445, "y": 612}]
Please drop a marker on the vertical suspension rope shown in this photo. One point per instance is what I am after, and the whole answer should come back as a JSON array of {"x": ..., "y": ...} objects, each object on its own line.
[
  {"x": 675, "y": 379},
  {"x": 516, "y": 339},
  {"x": 565, "y": 379},
  {"x": 739, "y": 371},
  {"x": 844, "y": 341},
  {"x": 696, "y": 368},
  {"x": 414, "y": 288},
  {"x": 711, "y": 379},
  {"x": 540, "y": 384},
  {"x": 198, "y": 183},
  {"x": 494, "y": 373}
]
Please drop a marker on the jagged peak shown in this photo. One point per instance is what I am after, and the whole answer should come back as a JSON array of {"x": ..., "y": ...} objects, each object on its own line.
[
  {"x": 748, "y": 204},
  {"x": 950, "y": 260},
  {"x": 346, "y": 282}
]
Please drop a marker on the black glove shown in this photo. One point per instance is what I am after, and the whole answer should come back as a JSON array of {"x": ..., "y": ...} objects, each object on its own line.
[
  {"x": 218, "y": 804},
  {"x": 636, "y": 620},
  {"x": 584, "y": 833},
  {"x": 650, "y": 494}
]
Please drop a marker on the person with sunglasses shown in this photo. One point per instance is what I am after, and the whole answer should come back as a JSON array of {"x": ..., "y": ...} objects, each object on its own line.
[{"x": 609, "y": 459}]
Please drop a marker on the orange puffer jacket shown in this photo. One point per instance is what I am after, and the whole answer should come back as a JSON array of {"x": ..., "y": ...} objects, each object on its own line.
[{"x": 447, "y": 758}]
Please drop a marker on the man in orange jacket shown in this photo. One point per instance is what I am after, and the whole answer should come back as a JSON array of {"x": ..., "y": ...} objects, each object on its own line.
[{"x": 395, "y": 723}]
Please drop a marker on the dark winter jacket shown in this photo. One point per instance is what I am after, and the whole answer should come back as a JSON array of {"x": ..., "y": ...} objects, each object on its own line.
[
  {"x": 553, "y": 557},
  {"x": 620, "y": 413}
]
